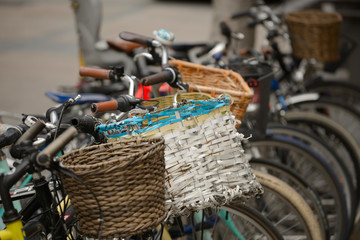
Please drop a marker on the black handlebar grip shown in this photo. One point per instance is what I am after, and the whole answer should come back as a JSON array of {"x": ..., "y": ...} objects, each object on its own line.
[
  {"x": 31, "y": 133},
  {"x": 84, "y": 123},
  {"x": 137, "y": 38},
  {"x": 44, "y": 157},
  {"x": 16, "y": 151},
  {"x": 241, "y": 14},
  {"x": 12, "y": 134},
  {"x": 225, "y": 29},
  {"x": 4, "y": 127},
  {"x": 127, "y": 102},
  {"x": 161, "y": 77}
]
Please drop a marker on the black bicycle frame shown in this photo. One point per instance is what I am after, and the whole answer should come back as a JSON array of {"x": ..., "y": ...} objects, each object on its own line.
[{"x": 41, "y": 200}]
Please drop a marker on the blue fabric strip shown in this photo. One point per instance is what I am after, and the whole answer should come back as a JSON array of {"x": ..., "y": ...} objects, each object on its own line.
[{"x": 173, "y": 115}]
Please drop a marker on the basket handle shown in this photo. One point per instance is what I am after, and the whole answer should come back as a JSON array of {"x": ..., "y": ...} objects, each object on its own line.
[{"x": 215, "y": 91}]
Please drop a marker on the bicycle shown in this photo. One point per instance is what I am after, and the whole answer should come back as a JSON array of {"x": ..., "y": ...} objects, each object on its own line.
[
  {"x": 339, "y": 194},
  {"x": 345, "y": 146},
  {"x": 15, "y": 228},
  {"x": 297, "y": 79},
  {"x": 165, "y": 74},
  {"x": 113, "y": 106}
]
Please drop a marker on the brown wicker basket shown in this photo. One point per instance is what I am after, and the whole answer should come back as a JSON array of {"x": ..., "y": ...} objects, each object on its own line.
[
  {"x": 128, "y": 178},
  {"x": 314, "y": 34},
  {"x": 215, "y": 82}
]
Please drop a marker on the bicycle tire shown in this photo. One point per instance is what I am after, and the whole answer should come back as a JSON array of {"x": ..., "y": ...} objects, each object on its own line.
[
  {"x": 341, "y": 113},
  {"x": 313, "y": 169},
  {"x": 300, "y": 186},
  {"x": 227, "y": 222},
  {"x": 287, "y": 197},
  {"x": 340, "y": 140},
  {"x": 328, "y": 155},
  {"x": 253, "y": 217},
  {"x": 346, "y": 92}
]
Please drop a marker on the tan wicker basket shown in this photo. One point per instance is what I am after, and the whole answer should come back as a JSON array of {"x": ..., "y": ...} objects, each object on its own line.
[
  {"x": 314, "y": 34},
  {"x": 166, "y": 101},
  {"x": 215, "y": 81},
  {"x": 128, "y": 179}
]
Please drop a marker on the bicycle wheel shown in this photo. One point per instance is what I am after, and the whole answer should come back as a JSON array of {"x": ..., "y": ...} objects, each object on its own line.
[
  {"x": 285, "y": 208},
  {"x": 250, "y": 223},
  {"x": 300, "y": 186},
  {"x": 228, "y": 222},
  {"x": 314, "y": 171},
  {"x": 341, "y": 113},
  {"x": 328, "y": 155},
  {"x": 334, "y": 135},
  {"x": 346, "y": 92}
]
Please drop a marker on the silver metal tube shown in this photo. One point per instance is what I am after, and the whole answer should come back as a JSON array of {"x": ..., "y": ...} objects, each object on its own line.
[{"x": 132, "y": 84}]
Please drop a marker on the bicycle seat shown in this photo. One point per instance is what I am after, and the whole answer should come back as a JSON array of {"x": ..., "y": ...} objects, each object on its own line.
[
  {"x": 123, "y": 46},
  {"x": 85, "y": 98}
]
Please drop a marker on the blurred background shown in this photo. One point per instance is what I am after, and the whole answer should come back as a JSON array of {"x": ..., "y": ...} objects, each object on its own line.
[{"x": 39, "y": 43}]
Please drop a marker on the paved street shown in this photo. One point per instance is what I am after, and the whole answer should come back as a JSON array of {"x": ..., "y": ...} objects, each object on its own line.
[{"x": 38, "y": 42}]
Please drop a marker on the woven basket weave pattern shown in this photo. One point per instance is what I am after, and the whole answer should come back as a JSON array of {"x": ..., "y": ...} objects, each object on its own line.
[
  {"x": 215, "y": 81},
  {"x": 205, "y": 163},
  {"x": 206, "y": 167},
  {"x": 128, "y": 180},
  {"x": 166, "y": 101},
  {"x": 314, "y": 34}
]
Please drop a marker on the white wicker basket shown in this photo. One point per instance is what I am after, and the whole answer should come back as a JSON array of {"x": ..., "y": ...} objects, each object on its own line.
[{"x": 205, "y": 162}]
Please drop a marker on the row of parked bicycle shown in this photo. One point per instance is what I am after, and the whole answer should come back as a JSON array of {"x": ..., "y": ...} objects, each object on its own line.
[{"x": 200, "y": 142}]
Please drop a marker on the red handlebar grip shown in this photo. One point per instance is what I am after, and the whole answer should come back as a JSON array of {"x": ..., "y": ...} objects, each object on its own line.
[
  {"x": 94, "y": 72},
  {"x": 107, "y": 106}
]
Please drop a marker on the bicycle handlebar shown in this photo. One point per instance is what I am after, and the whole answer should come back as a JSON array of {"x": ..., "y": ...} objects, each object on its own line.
[
  {"x": 43, "y": 158},
  {"x": 11, "y": 134},
  {"x": 149, "y": 42},
  {"x": 87, "y": 124},
  {"x": 225, "y": 29},
  {"x": 241, "y": 14},
  {"x": 165, "y": 76},
  {"x": 104, "y": 106},
  {"x": 133, "y": 37},
  {"x": 124, "y": 104},
  {"x": 31, "y": 133},
  {"x": 95, "y": 72},
  {"x": 260, "y": 14},
  {"x": 84, "y": 123}
]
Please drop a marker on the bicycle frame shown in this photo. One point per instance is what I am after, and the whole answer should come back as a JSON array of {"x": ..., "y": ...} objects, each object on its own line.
[
  {"x": 41, "y": 197},
  {"x": 12, "y": 218},
  {"x": 14, "y": 230},
  {"x": 14, "y": 227}
]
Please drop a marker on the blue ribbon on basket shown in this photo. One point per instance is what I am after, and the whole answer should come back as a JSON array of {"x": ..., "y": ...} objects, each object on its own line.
[{"x": 135, "y": 124}]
